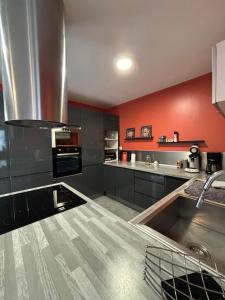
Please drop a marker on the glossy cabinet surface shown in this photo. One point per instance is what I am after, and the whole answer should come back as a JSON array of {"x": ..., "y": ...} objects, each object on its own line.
[
  {"x": 137, "y": 189},
  {"x": 30, "y": 181},
  {"x": 30, "y": 150},
  {"x": 74, "y": 115},
  {"x": 124, "y": 184},
  {"x": 4, "y": 186},
  {"x": 93, "y": 180},
  {"x": 172, "y": 183},
  {"x": 76, "y": 181},
  {"x": 109, "y": 181},
  {"x": 92, "y": 141},
  {"x": 4, "y": 152}
]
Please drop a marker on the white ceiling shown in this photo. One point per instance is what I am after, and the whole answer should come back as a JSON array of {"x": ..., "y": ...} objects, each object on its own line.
[{"x": 169, "y": 40}]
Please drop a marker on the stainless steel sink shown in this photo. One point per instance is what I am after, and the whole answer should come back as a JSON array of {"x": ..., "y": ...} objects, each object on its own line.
[{"x": 199, "y": 230}]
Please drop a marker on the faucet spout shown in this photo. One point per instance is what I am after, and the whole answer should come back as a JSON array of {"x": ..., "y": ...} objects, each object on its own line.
[{"x": 207, "y": 185}]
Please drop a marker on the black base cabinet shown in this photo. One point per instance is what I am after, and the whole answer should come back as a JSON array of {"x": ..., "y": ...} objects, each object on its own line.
[
  {"x": 93, "y": 181},
  {"x": 89, "y": 182},
  {"x": 136, "y": 189},
  {"x": 109, "y": 181},
  {"x": 4, "y": 186},
  {"x": 172, "y": 183}
]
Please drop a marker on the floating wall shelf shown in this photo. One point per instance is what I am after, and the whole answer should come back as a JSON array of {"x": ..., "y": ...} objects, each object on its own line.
[
  {"x": 182, "y": 142},
  {"x": 139, "y": 138}
]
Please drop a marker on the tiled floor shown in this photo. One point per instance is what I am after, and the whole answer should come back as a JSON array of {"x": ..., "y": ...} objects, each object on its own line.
[{"x": 117, "y": 208}]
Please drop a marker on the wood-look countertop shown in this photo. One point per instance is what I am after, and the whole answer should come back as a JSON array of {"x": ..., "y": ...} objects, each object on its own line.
[{"x": 82, "y": 253}]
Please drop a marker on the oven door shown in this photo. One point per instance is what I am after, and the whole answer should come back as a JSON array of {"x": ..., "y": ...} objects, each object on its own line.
[{"x": 66, "y": 164}]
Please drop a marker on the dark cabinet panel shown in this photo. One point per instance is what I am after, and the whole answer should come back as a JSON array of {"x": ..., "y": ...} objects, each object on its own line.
[
  {"x": 30, "y": 150},
  {"x": 109, "y": 181},
  {"x": 93, "y": 180},
  {"x": 143, "y": 201},
  {"x": 172, "y": 183},
  {"x": 92, "y": 140},
  {"x": 124, "y": 184},
  {"x": 74, "y": 115},
  {"x": 4, "y": 154},
  {"x": 30, "y": 181},
  {"x": 1, "y": 108},
  {"x": 111, "y": 122},
  {"x": 150, "y": 177},
  {"x": 75, "y": 181},
  {"x": 148, "y": 188},
  {"x": 4, "y": 186}
]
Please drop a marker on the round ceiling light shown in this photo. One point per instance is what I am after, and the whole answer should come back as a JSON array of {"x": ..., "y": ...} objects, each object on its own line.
[{"x": 124, "y": 64}]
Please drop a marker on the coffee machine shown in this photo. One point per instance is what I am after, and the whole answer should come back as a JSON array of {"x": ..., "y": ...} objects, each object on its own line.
[
  {"x": 214, "y": 162},
  {"x": 193, "y": 160}
]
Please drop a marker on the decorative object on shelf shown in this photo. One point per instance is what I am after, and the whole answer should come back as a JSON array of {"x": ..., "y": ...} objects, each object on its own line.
[
  {"x": 146, "y": 131},
  {"x": 130, "y": 133},
  {"x": 162, "y": 139},
  {"x": 175, "y": 136}
]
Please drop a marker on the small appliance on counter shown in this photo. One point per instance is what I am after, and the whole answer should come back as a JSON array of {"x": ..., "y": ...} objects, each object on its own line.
[
  {"x": 193, "y": 160},
  {"x": 214, "y": 162}
]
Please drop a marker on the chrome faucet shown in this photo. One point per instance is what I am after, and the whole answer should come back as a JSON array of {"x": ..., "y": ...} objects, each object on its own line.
[{"x": 207, "y": 185}]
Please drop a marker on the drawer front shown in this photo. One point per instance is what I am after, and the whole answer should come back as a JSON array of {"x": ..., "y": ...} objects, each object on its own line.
[
  {"x": 148, "y": 188},
  {"x": 143, "y": 200},
  {"x": 150, "y": 177}
]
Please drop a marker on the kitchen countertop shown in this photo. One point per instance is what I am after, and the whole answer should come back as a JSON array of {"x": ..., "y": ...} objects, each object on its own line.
[
  {"x": 165, "y": 170},
  {"x": 82, "y": 253}
]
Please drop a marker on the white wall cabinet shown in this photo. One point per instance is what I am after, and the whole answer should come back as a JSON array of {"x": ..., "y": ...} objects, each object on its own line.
[{"x": 218, "y": 78}]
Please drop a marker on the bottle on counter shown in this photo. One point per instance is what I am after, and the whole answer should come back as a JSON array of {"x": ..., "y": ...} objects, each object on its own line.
[
  {"x": 175, "y": 136},
  {"x": 133, "y": 158}
]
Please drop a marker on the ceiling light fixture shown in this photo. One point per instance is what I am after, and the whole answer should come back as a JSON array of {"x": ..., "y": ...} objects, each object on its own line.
[{"x": 124, "y": 63}]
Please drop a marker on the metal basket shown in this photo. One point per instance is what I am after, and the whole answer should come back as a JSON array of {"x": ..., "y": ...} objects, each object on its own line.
[{"x": 167, "y": 270}]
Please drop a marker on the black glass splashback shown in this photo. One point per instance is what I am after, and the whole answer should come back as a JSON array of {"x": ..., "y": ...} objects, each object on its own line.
[{"x": 27, "y": 207}]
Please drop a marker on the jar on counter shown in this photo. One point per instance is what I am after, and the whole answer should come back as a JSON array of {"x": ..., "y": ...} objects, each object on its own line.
[{"x": 148, "y": 160}]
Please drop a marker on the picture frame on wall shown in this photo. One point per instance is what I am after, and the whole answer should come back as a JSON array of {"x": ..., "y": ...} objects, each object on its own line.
[
  {"x": 146, "y": 131},
  {"x": 130, "y": 133}
]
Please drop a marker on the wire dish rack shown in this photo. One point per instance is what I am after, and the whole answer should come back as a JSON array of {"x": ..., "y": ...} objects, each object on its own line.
[{"x": 176, "y": 275}]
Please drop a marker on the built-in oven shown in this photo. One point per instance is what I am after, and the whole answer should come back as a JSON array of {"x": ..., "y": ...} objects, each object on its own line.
[{"x": 66, "y": 161}]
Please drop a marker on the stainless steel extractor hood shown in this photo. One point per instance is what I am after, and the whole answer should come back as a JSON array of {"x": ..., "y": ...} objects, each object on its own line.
[{"x": 33, "y": 62}]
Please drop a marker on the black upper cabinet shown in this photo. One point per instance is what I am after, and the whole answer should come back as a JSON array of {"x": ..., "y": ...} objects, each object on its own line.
[
  {"x": 74, "y": 115},
  {"x": 92, "y": 141},
  {"x": 1, "y": 108},
  {"x": 30, "y": 150},
  {"x": 111, "y": 122},
  {"x": 4, "y": 154}
]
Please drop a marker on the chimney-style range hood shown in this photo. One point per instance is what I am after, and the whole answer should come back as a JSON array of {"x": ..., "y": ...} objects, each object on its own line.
[{"x": 33, "y": 62}]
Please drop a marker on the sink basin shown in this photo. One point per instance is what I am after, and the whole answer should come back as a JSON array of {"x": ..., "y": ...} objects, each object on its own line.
[{"x": 199, "y": 230}]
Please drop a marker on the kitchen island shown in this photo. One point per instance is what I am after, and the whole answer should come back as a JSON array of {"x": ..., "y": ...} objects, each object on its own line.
[{"x": 82, "y": 253}]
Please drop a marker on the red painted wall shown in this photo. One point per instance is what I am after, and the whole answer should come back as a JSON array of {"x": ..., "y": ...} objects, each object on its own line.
[{"x": 185, "y": 108}]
